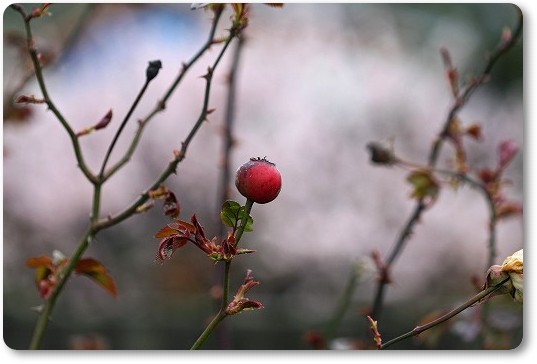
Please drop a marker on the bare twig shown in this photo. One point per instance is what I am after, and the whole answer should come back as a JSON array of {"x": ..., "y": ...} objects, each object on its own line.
[{"x": 41, "y": 81}]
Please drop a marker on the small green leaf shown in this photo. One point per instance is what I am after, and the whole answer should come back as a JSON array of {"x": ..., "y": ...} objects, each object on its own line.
[
  {"x": 229, "y": 214},
  {"x": 216, "y": 256},
  {"x": 97, "y": 272},
  {"x": 424, "y": 185}
]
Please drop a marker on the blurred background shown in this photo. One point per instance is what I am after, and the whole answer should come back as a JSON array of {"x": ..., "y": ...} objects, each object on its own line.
[{"x": 316, "y": 83}]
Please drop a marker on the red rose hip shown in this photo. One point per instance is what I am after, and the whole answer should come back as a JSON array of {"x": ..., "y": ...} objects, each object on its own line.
[{"x": 258, "y": 180}]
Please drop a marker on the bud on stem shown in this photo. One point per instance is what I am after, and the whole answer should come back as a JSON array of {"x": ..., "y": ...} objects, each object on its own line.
[{"x": 152, "y": 70}]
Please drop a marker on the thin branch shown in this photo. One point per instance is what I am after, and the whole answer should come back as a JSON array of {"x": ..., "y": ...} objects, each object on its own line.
[
  {"x": 434, "y": 154},
  {"x": 39, "y": 75},
  {"x": 120, "y": 129},
  {"x": 461, "y": 101},
  {"x": 161, "y": 104},
  {"x": 419, "y": 329}
]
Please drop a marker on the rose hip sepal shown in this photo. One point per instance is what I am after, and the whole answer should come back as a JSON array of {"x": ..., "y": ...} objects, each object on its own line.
[{"x": 258, "y": 180}]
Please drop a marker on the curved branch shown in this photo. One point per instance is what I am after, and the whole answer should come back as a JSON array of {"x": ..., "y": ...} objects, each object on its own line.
[{"x": 41, "y": 81}]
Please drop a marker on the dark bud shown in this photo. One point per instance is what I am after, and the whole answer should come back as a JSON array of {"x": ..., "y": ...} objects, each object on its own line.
[
  {"x": 152, "y": 69},
  {"x": 380, "y": 154}
]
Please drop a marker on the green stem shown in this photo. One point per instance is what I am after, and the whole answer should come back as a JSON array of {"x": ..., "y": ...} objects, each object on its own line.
[
  {"x": 209, "y": 330},
  {"x": 96, "y": 205},
  {"x": 419, "y": 329},
  {"x": 225, "y": 300},
  {"x": 225, "y": 294},
  {"x": 244, "y": 221}
]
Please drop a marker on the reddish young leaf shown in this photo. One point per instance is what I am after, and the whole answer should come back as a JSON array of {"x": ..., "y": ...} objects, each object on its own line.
[
  {"x": 168, "y": 246},
  {"x": 506, "y": 152},
  {"x": 104, "y": 121},
  {"x": 23, "y": 99},
  {"x": 166, "y": 232},
  {"x": 183, "y": 226},
  {"x": 474, "y": 131},
  {"x": 508, "y": 209},
  {"x": 229, "y": 247},
  {"x": 42, "y": 261},
  {"x": 199, "y": 232},
  {"x": 45, "y": 278},
  {"x": 178, "y": 227},
  {"x": 243, "y": 305},
  {"x": 97, "y": 272}
]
